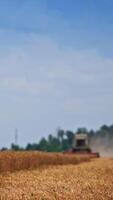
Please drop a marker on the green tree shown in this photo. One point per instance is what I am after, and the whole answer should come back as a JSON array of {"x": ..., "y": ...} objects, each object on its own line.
[
  {"x": 15, "y": 147},
  {"x": 32, "y": 147},
  {"x": 43, "y": 145},
  {"x": 60, "y": 134},
  {"x": 82, "y": 130},
  {"x": 70, "y": 137}
]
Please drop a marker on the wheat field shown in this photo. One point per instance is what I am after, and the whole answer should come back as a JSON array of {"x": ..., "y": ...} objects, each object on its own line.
[
  {"x": 11, "y": 161},
  {"x": 86, "y": 181}
]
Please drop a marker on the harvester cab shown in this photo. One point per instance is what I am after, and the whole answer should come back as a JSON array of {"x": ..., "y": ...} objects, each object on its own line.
[{"x": 81, "y": 143}]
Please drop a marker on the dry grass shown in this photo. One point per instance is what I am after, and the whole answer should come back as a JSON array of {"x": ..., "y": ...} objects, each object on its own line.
[
  {"x": 13, "y": 161},
  {"x": 87, "y": 181}
]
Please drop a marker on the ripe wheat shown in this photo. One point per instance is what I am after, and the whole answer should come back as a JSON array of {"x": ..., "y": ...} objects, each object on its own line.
[
  {"x": 87, "y": 181},
  {"x": 14, "y": 161}
]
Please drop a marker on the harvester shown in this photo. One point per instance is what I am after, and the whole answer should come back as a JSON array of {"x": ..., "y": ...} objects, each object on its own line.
[{"x": 81, "y": 145}]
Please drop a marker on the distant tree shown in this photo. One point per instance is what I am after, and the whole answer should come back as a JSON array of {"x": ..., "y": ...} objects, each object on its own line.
[
  {"x": 111, "y": 129},
  {"x": 91, "y": 135},
  {"x": 60, "y": 134},
  {"x": 82, "y": 130},
  {"x": 15, "y": 147},
  {"x": 50, "y": 138},
  {"x": 104, "y": 128},
  {"x": 4, "y": 149},
  {"x": 65, "y": 145},
  {"x": 54, "y": 145},
  {"x": 70, "y": 137},
  {"x": 43, "y": 145},
  {"x": 32, "y": 147}
]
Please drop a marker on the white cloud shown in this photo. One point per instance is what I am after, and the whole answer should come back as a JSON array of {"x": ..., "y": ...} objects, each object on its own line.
[
  {"x": 24, "y": 85},
  {"x": 42, "y": 66},
  {"x": 42, "y": 58}
]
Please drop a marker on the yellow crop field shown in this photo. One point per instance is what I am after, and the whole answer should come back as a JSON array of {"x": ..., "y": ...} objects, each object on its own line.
[
  {"x": 86, "y": 181},
  {"x": 14, "y": 161}
]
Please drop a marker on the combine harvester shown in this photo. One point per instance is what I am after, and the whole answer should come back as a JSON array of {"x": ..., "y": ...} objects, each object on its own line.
[{"x": 81, "y": 146}]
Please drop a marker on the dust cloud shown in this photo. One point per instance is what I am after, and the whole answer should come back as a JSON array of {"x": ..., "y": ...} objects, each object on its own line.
[{"x": 102, "y": 145}]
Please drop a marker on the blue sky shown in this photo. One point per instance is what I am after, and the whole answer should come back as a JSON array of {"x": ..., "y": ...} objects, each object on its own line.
[{"x": 56, "y": 66}]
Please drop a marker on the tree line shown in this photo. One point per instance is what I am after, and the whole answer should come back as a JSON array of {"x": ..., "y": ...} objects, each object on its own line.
[{"x": 64, "y": 140}]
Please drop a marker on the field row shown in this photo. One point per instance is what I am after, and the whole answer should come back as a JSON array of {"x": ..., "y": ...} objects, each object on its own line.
[{"x": 14, "y": 161}]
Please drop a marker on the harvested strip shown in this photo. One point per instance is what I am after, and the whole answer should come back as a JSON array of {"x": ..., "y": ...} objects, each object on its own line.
[{"x": 87, "y": 181}]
